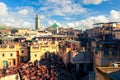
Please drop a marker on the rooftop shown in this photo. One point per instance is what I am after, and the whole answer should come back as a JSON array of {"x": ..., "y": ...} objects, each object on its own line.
[
  {"x": 111, "y": 72},
  {"x": 108, "y": 69},
  {"x": 72, "y": 41},
  {"x": 82, "y": 57},
  {"x": 55, "y": 25}
]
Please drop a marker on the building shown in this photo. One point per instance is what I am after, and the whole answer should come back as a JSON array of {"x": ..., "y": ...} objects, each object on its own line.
[
  {"x": 11, "y": 56},
  {"x": 54, "y": 28},
  {"x": 13, "y": 51},
  {"x": 82, "y": 59},
  {"x": 116, "y": 33},
  {"x": 45, "y": 46},
  {"x": 41, "y": 47},
  {"x": 105, "y": 52},
  {"x": 65, "y": 50}
]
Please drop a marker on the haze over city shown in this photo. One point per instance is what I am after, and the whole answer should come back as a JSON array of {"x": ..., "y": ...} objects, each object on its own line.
[{"x": 81, "y": 14}]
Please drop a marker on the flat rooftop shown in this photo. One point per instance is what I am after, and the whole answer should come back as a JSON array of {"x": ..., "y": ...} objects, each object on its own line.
[{"x": 108, "y": 69}]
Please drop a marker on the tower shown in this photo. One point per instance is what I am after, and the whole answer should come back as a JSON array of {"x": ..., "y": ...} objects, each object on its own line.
[{"x": 37, "y": 21}]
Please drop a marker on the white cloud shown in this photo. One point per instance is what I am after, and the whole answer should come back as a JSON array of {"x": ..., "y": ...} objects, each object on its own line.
[
  {"x": 23, "y": 12},
  {"x": 88, "y": 23},
  {"x": 22, "y": 17},
  {"x": 71, "y": 25},
  {"x": 62, "y": 7},
  {"x": 115, "y": 15},
  {"x": 73, "y": 9},
  {"x": 92, "y": 1},
  {"x": 3, "y": 9},
  {"x": 67, "y": 18},
  {"x": 57, "y": 11},
  {"x": 44, "y": 8},
  {"x": 42, "y": 17},
  {"x": 18, "y": 23},
  {"x": 60, "y": 2}
]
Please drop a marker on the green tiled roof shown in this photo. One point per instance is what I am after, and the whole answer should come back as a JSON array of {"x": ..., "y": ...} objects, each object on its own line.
[{"x": 55, "y": 25}]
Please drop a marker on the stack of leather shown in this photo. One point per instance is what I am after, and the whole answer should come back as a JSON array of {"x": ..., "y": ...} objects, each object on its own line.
[{"x": 31, "y": 71}]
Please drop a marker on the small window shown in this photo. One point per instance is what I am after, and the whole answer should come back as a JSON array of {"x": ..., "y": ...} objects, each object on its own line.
[
  {"x": 3, "y": 55},
  {"x": 35, "y": 55},
  {"x": 11, "y": 54},
  {"x": 22, "y": 51}
]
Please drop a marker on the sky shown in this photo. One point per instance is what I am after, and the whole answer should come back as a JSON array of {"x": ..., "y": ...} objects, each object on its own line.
[{"x": 79, "y": 14}]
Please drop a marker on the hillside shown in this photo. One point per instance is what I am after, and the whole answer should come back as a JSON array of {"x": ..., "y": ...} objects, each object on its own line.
[{"x": 3, "y": 27}]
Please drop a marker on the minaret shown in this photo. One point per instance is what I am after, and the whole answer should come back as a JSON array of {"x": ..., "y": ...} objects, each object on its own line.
[{"x": 37, "y": 21}]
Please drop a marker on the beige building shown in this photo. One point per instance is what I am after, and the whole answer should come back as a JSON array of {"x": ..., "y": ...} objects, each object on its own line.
[
  {"x": 43, "y": 45},
  {"x": 7, "y": 52},
  {"x": 35, "y": 46},
  {"x": 38, "y": 50},
  {"x": 8, "y": 56},
  {"x": 11, "y": 55}
]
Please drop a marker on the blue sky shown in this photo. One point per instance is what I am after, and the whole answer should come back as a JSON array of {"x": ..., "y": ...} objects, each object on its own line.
[{"x": 79, "y": 14}]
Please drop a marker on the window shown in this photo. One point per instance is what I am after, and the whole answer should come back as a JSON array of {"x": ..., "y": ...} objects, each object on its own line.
[
  {"x": 114, "y": 53},
  {"x": 22, "y": 51},
  {"x": 35, "y": 55},
  {"x": 3, "y": 55},
  {"x": 105, "y": 52},
  {"x": 11, "y": 54}
]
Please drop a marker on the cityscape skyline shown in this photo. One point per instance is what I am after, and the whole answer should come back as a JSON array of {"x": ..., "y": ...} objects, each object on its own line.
[
  {"x": 59, "y": 40},
  {"x": 66, "y": 13}
]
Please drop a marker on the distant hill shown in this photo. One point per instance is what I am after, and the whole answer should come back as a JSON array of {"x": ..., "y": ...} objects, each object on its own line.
[{"x": 3, "y": 27}]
